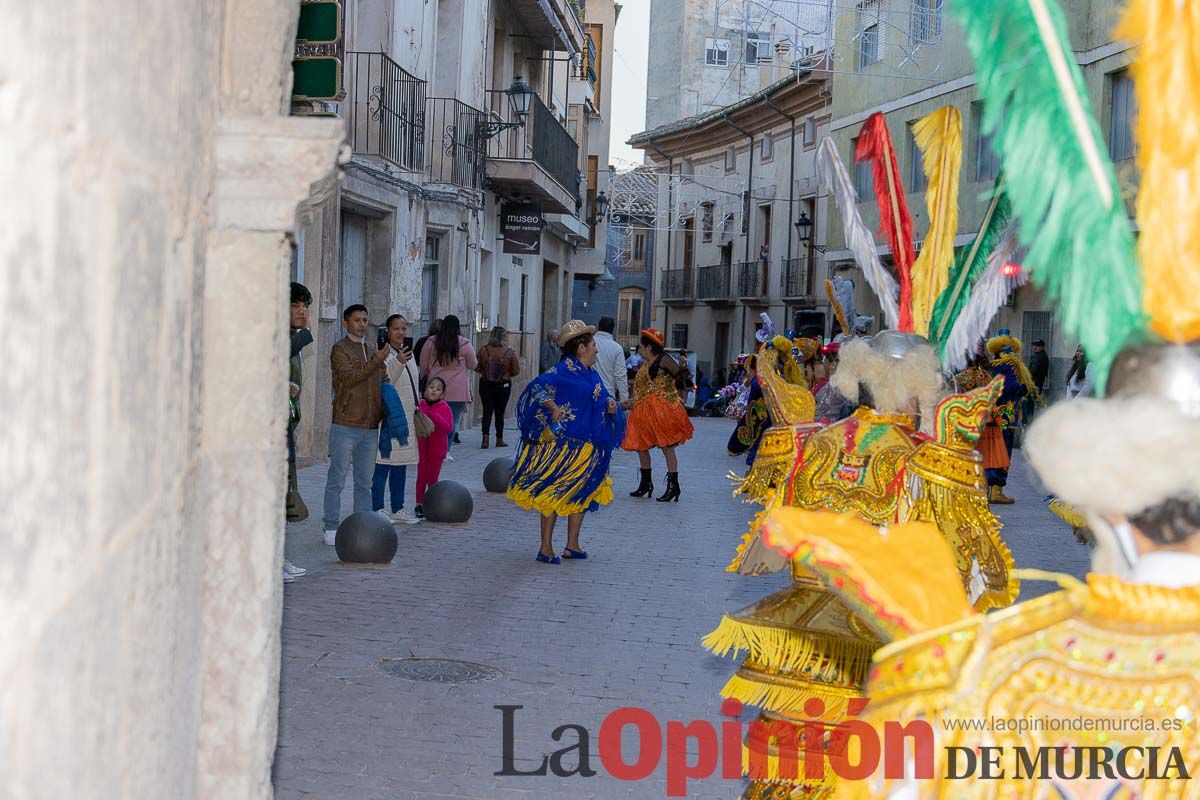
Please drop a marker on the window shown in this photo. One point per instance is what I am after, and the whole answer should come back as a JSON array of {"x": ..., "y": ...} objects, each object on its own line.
[
  {"x": 679, "y": 335},
  {"x": 639, "y": 247},
  {"x": 593, "y": 180},
  {"x": 707, "y": 223},
  {"x": 810, "y": 132},
  {"x": 868, "y": 46},
  {"x": 987, "y": 160},
  {"x": 745, "y": 212},
  {"x": 716, "y": 52},
  {"x": 767, "y": 147},
  {"x": 864, "y": 183},
  {"x": 758, "y": 46},
  {"x": 429, "y": 279},
  {"x": 926, "y": 22},
  {"x": 916, "y": 168},
  {"x": 689, "y": 243},
  {"x": 730, "y": 158},
  {"x": 630, "y": 304},
  {"x": 1038, "y": 325},
  {"x": 1120, "y": 117}
]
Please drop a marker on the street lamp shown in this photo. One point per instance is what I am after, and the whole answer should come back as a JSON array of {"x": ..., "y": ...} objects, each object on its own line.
[
  {"x": 520, "y": 98},
  {"x": 601, "y": 206},
  {"x": 804, "y": 227}
]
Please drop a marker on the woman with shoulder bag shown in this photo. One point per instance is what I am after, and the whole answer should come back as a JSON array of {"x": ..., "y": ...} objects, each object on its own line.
[{"x": 497, "y": 366}]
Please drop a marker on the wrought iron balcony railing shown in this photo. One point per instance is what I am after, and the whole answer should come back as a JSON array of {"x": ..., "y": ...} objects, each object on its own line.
[
  {"x": 752, "y": 280},
  {"x": 456, "y": 149},
  {"x": 798, "y": 277},
  {"x": 713, "y": 284},
  {"x": 678, "y": 286},
  {"x": 385, "y": 110},
  {"x": 540, "y": 139}
]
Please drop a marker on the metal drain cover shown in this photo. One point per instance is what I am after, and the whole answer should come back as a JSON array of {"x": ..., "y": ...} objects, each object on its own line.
[{"x": 438, "y": 670}]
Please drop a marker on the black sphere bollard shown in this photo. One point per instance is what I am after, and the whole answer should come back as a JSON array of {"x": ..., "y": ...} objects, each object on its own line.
[
  {"x": 366, "y": 537},
  {"x": 447, "y": 501},
  {"x": 497, "y": 474}
]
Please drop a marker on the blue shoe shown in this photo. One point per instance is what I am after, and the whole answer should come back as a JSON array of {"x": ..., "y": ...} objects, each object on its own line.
[
  {"x": 545, "y": 559},
  {"x": 577, "y": 555}
]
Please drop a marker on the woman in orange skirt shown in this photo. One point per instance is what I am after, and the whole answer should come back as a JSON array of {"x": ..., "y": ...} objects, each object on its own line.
[{"x": 657, "y": 417}]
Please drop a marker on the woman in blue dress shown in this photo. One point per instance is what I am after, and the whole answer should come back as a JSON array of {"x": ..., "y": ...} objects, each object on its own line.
[{"x": 569, "y": 427}]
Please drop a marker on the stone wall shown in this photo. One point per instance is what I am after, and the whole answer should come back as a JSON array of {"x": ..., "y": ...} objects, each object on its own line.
[{"x": 142, "y": 327}]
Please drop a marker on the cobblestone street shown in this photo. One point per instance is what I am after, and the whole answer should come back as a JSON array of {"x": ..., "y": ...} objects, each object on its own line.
[{"x": 571, "y": 643}]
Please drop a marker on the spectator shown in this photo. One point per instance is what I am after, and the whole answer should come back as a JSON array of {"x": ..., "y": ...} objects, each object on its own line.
[
  {"x": 1079, "y": 383},
  {"x": 357, "y": 375},
  {"x": 397, "y": 435},
  {"x": 434, "y": 327},
  {"x": 435, "y": 447},
  {"x": 497, "y": 366},
  {"x": 301, "y": 338},
  {"x": 610, "y": 361},
  {"x": 1039, "y": 365},
  {"x": 549, "y": 355},
  {"x": 449, "y": 356}
]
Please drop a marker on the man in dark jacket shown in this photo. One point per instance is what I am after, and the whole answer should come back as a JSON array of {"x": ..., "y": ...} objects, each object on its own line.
[
  {"x": 357, "y": 408},
  {"x": 1039, "y": 365}
]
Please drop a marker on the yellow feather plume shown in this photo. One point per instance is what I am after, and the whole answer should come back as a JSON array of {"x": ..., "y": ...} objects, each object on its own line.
[
  {"x": 1167, "y": 81},
  {"x": 939, "y": 135},
  {"x": 838, "y": 311}
]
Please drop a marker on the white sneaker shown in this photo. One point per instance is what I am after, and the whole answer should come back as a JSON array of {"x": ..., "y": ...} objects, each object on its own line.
[
  {"x": 291, "y": 569},
  {"x": 288, "y": 578},
  {"x": 449, "y": 457},
  {"x": 402, "y": 516},
  {"x": 331, "y": 538}
]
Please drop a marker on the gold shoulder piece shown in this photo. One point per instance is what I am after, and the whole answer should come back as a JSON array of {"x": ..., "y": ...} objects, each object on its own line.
[
  {"x": 959, "y": 418},
  {"x": 788, "y": 404}
]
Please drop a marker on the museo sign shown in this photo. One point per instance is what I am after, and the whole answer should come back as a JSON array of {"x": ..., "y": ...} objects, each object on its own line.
[{"x": 521, "y": 226}]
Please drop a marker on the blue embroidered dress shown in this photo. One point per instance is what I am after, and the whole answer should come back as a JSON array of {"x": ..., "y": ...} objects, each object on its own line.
[{"x": 566, "y": 471}]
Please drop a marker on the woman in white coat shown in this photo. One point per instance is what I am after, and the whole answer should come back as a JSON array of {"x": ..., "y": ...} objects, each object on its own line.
[{"x": 391, "y": 469}]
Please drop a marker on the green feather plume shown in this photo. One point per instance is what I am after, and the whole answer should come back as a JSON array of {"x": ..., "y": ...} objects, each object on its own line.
[
  {"x": 970, "y": 262},
  {"x": 1060, "y": 181}
]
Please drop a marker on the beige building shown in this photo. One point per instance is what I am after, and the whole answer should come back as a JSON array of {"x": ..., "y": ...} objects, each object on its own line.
[
  {"x": 870, "y": 44},
  {"x": 143, "y": 328},
  {"x": 733, "y": 183},
  {"x": 441, "y": 143}
]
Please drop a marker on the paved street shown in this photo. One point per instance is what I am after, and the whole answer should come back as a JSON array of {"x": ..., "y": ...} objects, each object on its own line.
[{"x": 571, "y": 643}]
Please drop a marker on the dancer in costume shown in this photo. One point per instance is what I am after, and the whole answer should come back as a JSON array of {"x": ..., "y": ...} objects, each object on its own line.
[
  {"x": 569, "y": 426},
  {"x": 1006, "y": 363},
  {"x": 657, "y": 417},
  {"x": 1121, "y": 652}
]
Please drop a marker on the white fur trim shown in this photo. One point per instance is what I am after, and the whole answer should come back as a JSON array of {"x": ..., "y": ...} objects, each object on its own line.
[
  {"x": 1115, "y": 456},
  {"x": 894, "y": 383}
]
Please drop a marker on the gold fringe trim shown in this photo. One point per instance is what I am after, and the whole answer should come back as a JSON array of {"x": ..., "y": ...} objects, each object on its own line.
[
  {"x": 793, "y": 651},
  {"x": 789, "y": 696}
]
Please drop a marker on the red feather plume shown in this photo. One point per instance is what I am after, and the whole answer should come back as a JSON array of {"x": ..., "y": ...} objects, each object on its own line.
[{"x": 875, "y": 147}]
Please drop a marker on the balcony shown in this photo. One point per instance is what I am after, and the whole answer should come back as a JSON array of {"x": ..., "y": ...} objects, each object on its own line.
[
  {"x": 385, "y": 111},
  {"x": 537, "y": 159},
  {"x": 585, "y": 75},
  {"x": 713, "y": 285},
  {"x": 456, "y": 149},
  {"x": 563, "y": 19},
  {"x": 798, "y": 279},
  {"x": 678, "y": 288},
  {"x": 752, "y": 285},
  {"x": 389, "y": 117}
]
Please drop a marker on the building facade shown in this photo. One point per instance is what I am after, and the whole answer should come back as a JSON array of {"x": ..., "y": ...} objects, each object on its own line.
[
  {"x": 706, "y": 54},
  {"x": 870, "y": 45},
  {"x": 733, "y": 183},
  {"x": 456, "y": 111}
]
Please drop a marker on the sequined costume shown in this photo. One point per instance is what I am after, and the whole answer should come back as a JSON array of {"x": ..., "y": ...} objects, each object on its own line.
[
  {"x": 804, "y": 642},
  {"x": 657, "y": 418}
]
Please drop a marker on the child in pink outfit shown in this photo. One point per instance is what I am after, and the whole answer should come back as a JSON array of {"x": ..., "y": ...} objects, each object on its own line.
[{"x": 433, "y": 448}]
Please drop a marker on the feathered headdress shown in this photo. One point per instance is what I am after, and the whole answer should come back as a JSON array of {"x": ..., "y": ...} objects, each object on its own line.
[
  {"x": 1061, "y": 184},
  {"x": 895, "y": 222},
  {"x": 939, "y": 135}
]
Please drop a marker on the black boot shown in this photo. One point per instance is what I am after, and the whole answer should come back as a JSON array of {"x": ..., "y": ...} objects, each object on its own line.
[
  {"x": 646, "y": 487},
  {"x": 672, "y": 492}
]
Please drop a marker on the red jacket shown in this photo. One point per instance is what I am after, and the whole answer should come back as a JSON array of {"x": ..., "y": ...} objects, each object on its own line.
[{"x": 435, "y": 447}]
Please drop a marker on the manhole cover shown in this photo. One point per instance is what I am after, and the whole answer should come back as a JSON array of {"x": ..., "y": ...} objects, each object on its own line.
[{"x": 438, "y": 670}]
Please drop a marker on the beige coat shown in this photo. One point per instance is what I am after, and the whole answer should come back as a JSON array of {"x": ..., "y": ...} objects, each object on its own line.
[{"x": 403, "y": 454}]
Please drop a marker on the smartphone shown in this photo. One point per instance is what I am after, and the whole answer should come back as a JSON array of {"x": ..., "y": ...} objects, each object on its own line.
[
  {"x": 408, "y": 342},
  {"x": 382, "y": 341}
]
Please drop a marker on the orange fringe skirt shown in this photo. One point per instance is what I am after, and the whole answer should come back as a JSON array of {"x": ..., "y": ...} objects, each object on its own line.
[
  {"x": 655, "y": 422},
  {"x": 991, "y": 447}
]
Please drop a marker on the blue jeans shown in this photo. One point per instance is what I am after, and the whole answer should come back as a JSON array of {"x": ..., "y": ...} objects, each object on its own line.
[
  {"x": 385, "y": 475},
  {"x": 456, "y": 410},
  {"x": 349, "y": 446}
]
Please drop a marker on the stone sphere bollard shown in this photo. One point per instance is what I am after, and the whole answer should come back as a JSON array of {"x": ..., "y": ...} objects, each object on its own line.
[
  {"x": 497, "y": 474},
  {"x": 366, "y": 537},
  {"x": 447, "y": 501}
]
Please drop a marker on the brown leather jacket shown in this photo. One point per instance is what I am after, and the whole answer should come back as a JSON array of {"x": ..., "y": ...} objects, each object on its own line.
[{"x": 356, "y": 384}]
